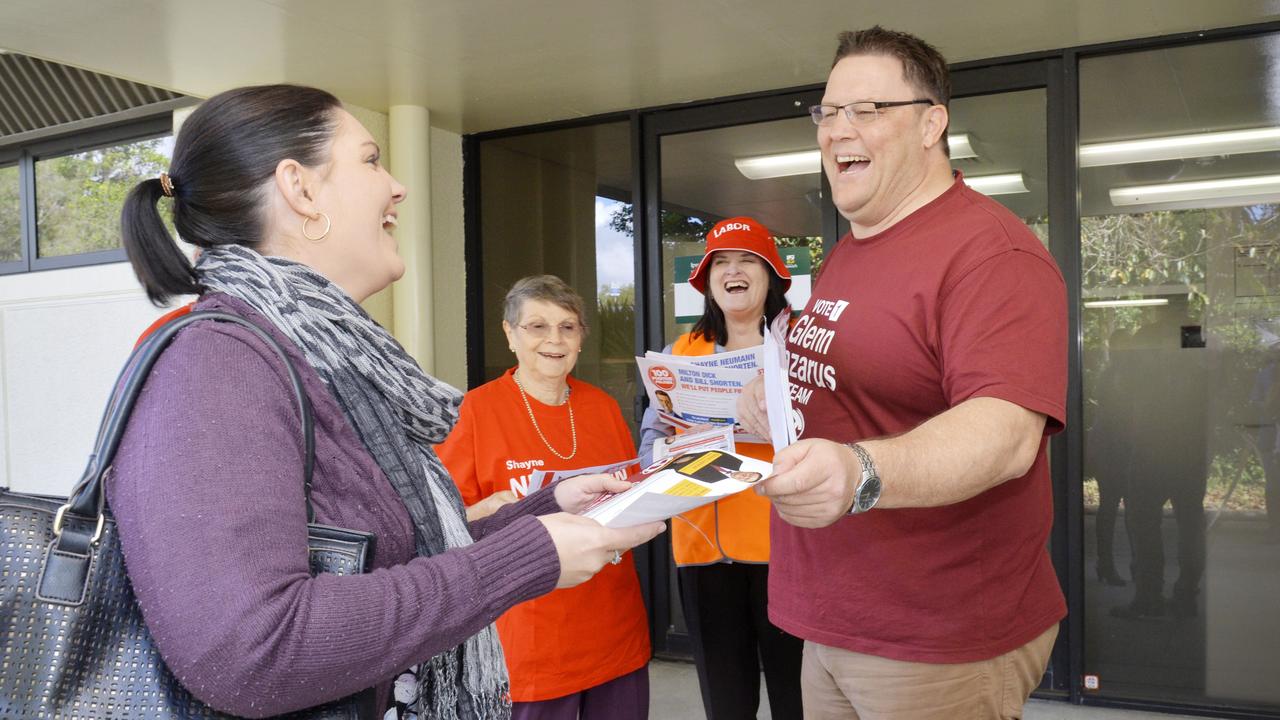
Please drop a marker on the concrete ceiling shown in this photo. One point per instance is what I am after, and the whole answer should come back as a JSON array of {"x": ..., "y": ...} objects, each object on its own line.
[{"x": 485, "y": 64}]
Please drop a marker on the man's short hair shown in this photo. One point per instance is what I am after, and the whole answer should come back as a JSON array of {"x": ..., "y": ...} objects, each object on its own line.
[{"x": 923, "y": 67}]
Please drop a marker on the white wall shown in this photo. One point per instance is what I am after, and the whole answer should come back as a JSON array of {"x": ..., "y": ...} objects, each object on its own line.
[{"x": 64, "y": 335}]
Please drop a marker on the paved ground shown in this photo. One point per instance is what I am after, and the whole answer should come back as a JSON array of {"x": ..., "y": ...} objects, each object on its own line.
[{"x": 674, "y": 696}]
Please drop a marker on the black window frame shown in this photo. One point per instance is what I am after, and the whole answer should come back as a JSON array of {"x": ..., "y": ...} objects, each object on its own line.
[{"x": 26, "y": 155}]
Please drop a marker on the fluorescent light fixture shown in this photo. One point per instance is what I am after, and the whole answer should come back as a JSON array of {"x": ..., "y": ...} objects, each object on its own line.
[
  {"x": 1177, "y": 147},
  {"x": 1006, "y": 184},
  {"x": 763, "y": 167},
  {"x": 1138, "y": 302},
  {"x": 808, "y": 162},
  {"x": 1260, "y": 188}
]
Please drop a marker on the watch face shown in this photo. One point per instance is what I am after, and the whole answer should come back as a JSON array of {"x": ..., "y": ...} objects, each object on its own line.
[{"x": 868, "y": 494}]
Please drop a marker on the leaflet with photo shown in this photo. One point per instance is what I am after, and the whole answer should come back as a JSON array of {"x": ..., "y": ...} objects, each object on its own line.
[
  {"x": 677, "y": 484},
  {"x": 694, "y": 393}
]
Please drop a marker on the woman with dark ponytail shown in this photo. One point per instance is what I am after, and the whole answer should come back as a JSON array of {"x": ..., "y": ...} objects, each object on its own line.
[{"x": 285, "y": 195}]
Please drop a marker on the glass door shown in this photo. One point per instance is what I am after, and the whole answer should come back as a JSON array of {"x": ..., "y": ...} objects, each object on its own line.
[
  {"x": 756, "y": 158},
  {"x": 1180, "y": 245}
]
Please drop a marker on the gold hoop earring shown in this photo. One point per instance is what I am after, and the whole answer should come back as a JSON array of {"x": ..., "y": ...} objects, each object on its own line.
[{"x": 325, "y": 233}]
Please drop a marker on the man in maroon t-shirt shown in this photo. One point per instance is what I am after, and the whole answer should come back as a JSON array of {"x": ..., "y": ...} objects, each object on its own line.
[{"x": 928, "y": 369}]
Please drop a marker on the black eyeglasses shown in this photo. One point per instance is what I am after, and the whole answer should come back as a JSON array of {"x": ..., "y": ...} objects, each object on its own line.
[{"x": 859, "y": 113}]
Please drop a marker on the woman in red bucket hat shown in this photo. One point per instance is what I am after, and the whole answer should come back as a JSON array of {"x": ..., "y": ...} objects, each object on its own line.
[{"x": 722, "y": 550}]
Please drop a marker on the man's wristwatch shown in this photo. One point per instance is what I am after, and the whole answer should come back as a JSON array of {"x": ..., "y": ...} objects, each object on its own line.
[{"x": 867, "y": 491}]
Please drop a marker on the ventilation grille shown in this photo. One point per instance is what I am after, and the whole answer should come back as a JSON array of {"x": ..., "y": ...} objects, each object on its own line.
[{"x": 37, "y": 94}]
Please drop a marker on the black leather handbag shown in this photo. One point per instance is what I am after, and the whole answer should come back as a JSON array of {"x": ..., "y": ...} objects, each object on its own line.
[{"x": 72, "y": 640}]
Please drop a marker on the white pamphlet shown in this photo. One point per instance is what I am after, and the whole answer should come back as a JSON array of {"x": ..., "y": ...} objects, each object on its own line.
[{"x": 777, "y": 386}]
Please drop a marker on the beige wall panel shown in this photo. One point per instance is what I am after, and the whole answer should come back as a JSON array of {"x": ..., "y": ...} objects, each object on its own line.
[
  {"x": 448, "y": 263},
  {"x": 379, "y": 306}
]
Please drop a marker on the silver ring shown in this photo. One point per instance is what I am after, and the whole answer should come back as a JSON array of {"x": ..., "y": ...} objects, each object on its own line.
[{"x": 617, "y": 558}]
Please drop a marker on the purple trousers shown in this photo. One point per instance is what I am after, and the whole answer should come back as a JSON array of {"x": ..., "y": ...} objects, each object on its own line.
[{"x": 623, "y": 698}]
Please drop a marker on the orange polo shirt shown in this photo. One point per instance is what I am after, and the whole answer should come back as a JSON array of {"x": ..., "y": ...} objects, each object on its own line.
[{"x": 571, "y": 639}]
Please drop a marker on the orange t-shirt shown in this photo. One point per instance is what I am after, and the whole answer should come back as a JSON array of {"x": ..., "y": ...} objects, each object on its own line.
[{"x": 571, "y": 639}]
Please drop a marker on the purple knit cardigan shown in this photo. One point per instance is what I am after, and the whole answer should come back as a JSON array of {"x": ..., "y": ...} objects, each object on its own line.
[{"x": 207, "y": 494}]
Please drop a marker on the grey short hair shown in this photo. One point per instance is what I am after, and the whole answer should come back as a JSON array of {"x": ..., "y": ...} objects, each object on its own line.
[{"x": 546, "y": 288}]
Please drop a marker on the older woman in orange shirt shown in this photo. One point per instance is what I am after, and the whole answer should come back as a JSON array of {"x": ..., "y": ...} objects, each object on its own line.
[{"x": 581, "y": 652}]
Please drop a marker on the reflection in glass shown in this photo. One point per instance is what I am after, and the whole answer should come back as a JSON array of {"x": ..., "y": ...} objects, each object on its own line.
[
  {"x": 79, "y": 196},
  {"x": 1005, "y": 155},
  {"x": 1181, "y": 325},
  {"x": 702, "y": 185},
  {"x": 558, "y": 202},
  {"x": 10, "y": 218}
]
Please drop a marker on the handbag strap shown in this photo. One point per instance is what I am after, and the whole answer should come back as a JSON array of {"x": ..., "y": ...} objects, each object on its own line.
[{"x": 88, "y": 500}]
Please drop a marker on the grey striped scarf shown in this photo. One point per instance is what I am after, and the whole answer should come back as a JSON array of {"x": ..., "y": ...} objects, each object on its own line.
[{"x": 399, "y": 412}]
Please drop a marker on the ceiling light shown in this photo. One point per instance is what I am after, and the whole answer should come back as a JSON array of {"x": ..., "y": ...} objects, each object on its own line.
[
  {"x": 1139, "y": 302},
  {"x": 807, "y": 162},
  {"x": 782, "y": 165},
  {"x": 1176, "y": 147},
  {"x": 1005, "y": 184},
  {"x": 961, "y": 147},
  {"x": 1238, "y": 190}
]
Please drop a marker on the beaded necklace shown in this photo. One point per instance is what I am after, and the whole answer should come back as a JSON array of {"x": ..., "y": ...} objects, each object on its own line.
[{"x": 573, "y": 428}]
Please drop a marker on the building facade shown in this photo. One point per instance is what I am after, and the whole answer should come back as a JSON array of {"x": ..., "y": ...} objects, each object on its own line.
[{"x": 1140, "y": 141}]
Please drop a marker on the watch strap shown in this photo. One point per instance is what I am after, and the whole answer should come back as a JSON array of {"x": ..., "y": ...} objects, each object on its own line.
[{"x": 867, "y": 490}]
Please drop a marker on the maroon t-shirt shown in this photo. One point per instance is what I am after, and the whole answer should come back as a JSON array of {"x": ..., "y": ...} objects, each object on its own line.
[{"x": 958, "y": 300}]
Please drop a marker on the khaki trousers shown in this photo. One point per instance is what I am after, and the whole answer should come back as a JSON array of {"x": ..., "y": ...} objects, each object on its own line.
[{"x": 839, "y": 684}]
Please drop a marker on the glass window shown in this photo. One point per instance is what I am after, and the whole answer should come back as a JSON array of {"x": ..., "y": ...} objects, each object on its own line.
[
  {"x": 998, "y": 142},
  {"x": 705, "y": 181},
  {"x": 558, "y": 202},
  {"x": 79, "y": 196},
  {"x": 10, "y": 216},
  {"x": 1180, "y": 243}
]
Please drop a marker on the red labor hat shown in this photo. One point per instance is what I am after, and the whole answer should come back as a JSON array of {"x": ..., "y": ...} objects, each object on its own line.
[{"x": 740, "y": 233}]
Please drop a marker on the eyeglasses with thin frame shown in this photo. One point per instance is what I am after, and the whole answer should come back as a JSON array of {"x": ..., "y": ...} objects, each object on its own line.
[
  {"x": 541, "y": 330},
  {"x": 862, "y": 112}
]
